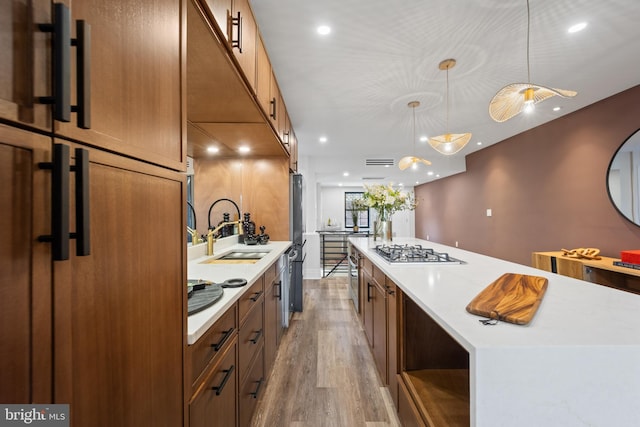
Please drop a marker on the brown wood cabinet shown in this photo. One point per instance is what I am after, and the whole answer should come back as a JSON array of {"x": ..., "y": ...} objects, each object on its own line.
[
  {"x": 434, "y": 384},
  {"x": 243, "y": 39},
  {"x": 215, "y": 403},
  {"x": 118, "y": 314},
  {"x": 221, "y": 12},
  {"x": 135, "y": 79},
  {"x": 273, "y": 328},
  {"x": 25, "y": 63},
  {"x": 394, "y": 295},
  {"x": 601, "y": 271},
  {"x": 102, "y": 327},
  {"x": 25, "y": 282}
]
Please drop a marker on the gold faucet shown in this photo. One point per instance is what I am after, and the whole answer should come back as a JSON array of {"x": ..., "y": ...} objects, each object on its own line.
[
  {"x": 211, "y": 234},
  {"x": 194, "y": 235}
]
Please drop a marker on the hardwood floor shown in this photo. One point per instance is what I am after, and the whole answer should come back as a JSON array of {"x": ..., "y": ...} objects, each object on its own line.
[{"x": 324, "y": 373}]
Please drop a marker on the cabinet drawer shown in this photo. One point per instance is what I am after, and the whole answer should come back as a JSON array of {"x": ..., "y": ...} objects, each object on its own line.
[
  {"x": 212, "y": 344},
  {"x": 367, "y": 265},
  {"x": 215, "y": 403},
  {"x": 251, "y": 390},
  {"x": 250, "y": 299},
  {"x": 378, "y": 276},
  {"x": 251, "y": 338}
]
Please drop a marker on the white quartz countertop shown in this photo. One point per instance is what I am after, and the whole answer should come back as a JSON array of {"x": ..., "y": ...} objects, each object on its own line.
[
  {"x": 578, "y": 359},
  {"x": 198, "y": 323}
]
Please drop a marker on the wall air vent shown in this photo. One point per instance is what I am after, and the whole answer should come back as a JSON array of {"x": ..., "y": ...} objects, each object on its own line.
[{"x": 379, "y": 162}]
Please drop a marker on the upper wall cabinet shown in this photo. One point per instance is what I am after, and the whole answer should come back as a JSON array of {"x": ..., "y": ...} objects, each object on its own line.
[
  {"x": 243, "y": 39},
  {"x": 129, "y": 77},
  {"x": 25, "y": 59},
  {"x": 221, "y": 12},
  {"x": 232, "y": 97}
]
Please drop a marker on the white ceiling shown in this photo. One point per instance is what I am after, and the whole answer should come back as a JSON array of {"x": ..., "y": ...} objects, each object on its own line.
[{"x": 353, "y": 85}]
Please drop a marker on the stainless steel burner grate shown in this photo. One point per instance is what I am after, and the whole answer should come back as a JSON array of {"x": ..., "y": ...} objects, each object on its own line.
[{"x": 414, "y": 254}]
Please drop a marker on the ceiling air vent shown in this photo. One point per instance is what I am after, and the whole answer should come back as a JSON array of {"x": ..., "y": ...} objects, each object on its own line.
[
  {"x": 373, "y": 178},
  {"x": 379, "y": 162}
]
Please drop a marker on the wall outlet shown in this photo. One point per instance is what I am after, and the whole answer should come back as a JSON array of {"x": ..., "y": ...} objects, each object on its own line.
[
  {"x": 427, "y": 237},
  {"x": 489, "y": 212},
  {"x": 456, "y": 243}
]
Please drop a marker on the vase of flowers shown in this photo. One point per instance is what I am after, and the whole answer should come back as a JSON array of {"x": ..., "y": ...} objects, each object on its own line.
[
  {"x": 357, "y": 206},
  {"x": 386, "y": 200}
]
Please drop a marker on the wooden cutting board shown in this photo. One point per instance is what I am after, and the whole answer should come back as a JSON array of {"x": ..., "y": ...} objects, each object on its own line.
[{"x": 512, "y": 298}]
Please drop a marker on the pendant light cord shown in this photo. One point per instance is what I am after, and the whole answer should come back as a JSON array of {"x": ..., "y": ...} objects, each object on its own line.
[
  {"x": 414, "y": 129},
  {"x": 447, "y": 127},
  {"x": 528, "y": 31}
]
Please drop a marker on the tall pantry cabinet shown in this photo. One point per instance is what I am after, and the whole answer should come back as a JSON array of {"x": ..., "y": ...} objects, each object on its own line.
[{"x": 99, "y": 326}]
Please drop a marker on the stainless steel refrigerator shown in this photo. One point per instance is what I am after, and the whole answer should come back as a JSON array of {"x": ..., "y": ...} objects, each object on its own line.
[{"x": 296, "y": 234}]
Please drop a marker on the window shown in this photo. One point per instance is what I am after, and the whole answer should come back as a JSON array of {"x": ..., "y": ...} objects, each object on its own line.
[{"x": 351, "y": 211}]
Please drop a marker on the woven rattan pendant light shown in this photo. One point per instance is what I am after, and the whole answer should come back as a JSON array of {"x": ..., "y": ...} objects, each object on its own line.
[
  {"x": 449, "y": 143},
  {"x": 515, "y": 98},
  {"x": 407, "y": 161}
]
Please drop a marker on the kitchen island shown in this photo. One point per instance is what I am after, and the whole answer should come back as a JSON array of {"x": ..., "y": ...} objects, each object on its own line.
[{"x": 575, "y": 364}]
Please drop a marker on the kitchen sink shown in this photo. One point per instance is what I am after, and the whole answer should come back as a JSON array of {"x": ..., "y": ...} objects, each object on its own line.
[{"x": 237, "y": 257}]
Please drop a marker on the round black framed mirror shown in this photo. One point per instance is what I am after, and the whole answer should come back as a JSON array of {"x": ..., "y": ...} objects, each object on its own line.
[{"x": 623, "y": 178}]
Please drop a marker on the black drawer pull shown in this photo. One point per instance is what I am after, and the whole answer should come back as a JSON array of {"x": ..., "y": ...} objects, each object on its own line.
[
  {"x": 257, "y": 337},
  {"x": 237, "y": 42},
  {"x": 59, "y": 236},
  {"x": 279, "y": 286},
  {"x": 272, "y": 114},
  {"x": 228, "y": 372},
  {"x": 82, "y": 42},
  {"x": 61, "y": 30},
  {"x": 255, "y": 393},
  {"x": 256, "y": 296},
  {"x": 82, "y": 234},
  {"x": 368, "y": 291},
  {"x": 217, "y": 346}
]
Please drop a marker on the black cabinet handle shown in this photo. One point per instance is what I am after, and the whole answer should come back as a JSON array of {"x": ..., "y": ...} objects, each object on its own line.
[
  {"x": 255, "y": 393},
  {"x": 61, "y": 30},
  {"x": 59, "y": 236},
  {"x": 62, "y": 42},
  {"x": 279, "y": 286},
  {"x": 237, "y": 42},
  {"x": 257, "y": 337},
  {"x": 217, "y": 346},
  {"x": 82, "y": 234},
  {"x": 228, "y": 372},
  {"x": 368, "y": 291},
  {"x": 272, "y": 114},
  {"x": 83, "y": 71},
  {"x": 256, "y": 296}
]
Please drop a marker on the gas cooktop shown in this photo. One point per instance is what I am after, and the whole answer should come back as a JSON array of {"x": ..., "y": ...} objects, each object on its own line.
[{"x": 414, "y": 254}]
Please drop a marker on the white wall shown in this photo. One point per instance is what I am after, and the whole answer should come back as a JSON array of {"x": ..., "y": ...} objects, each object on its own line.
[{"x": 322, "y": 203}]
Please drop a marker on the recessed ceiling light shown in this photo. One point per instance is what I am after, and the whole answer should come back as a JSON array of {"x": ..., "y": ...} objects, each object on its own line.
[
  {"x": 244, "y": 149},
  {"x": 212, "y": 149},
  {"x": 386, "y": 166},
  {"x": 424, "y": 138},
  {"x": 479, "y": 143},
  {"x": 345, "y": 174},
  {"x": 323, "y": 139},
  {"x": 417, "y": 182},
  {"x": 323, "y": 30},
  {"x": 577, "y": 27},
  {"x": 556, "y": 108},
  {"x": 340, "y": 185},
  {"x": 429, "y": 173},
  {"x": 401, "y": 185}
]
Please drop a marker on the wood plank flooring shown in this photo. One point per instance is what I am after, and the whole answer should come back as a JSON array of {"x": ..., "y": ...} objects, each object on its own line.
[{"x": 324, "y": 373}]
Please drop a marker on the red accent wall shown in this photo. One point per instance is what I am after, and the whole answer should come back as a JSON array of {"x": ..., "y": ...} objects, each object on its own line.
[{"x": 546, "y": 188}]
